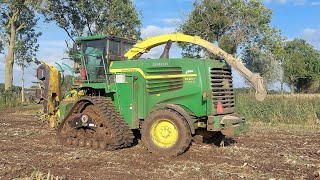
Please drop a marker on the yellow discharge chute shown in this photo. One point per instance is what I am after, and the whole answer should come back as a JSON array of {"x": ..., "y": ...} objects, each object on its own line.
[{"x": 144, "y": 46}]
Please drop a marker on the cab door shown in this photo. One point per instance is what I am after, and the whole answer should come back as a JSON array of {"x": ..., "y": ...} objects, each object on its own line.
[{"x": 127, "y": 101}]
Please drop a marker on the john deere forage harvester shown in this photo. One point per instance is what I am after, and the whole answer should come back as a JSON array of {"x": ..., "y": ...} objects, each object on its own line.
[{"x": 167, "y": 99}]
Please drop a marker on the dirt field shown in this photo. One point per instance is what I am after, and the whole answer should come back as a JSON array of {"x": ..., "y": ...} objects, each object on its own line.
[{"x": 262, "y": 153}]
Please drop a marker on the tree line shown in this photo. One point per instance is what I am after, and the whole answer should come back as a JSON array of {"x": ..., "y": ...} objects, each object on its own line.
[
  {"x": 19, "y": 19},
  {"x": 243, "y": 28},
  {"x": 240, "y": 27}
]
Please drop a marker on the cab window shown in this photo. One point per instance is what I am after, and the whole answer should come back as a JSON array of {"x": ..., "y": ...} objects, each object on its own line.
[
  {"x": 114, "y": 47},
  {"x": 126, "y": 47}
]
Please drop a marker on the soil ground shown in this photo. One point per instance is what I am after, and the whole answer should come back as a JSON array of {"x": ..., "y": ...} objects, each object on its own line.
[{"x": 262, "y": 153}]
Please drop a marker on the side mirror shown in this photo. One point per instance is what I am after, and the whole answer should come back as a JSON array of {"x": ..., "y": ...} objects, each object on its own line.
[{"x": 74, "y": 49}]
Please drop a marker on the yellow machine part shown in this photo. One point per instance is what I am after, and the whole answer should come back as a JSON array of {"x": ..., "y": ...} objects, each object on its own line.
[
  {"x": 54, "y": 95},
  {"x": 74, "y": 95},
  {"x": 164, "y": 133},
  {"x": 144, "y": 46}
]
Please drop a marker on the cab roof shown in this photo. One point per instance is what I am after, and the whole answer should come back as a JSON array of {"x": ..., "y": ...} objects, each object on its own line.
[{"x": 96, "y": 37}]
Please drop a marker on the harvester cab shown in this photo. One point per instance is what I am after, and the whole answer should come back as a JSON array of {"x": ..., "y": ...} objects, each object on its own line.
[
  {"x": 93, "y": 55},
  {"x": 168, "y": 99}
]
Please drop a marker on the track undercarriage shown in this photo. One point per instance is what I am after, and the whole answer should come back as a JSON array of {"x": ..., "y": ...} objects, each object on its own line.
[{"x": 94, "y": 122}]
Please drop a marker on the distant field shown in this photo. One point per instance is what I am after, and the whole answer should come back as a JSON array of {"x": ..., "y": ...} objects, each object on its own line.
[
  {"x": 12, "y": 98},
  {"x": 300, "y": 109},
  {"x": 296, "y": 95}
]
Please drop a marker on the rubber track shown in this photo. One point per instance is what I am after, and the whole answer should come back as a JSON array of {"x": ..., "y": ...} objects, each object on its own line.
[{"x": 112, "y": 119}]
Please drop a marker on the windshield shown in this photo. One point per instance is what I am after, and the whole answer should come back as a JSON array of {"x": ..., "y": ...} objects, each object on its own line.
[
  {"x": 94, "y": 52},
  {"x": 95, "y": 47}
]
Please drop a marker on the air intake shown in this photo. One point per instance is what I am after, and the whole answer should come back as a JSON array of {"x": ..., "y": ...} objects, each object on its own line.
[{"x": 222, "y": 89}]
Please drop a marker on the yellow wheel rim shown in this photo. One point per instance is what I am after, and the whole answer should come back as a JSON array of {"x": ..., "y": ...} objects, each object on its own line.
[{"x": 164, "y": 133}]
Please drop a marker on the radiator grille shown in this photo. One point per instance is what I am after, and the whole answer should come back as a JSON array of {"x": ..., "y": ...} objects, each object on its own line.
[
  {"x": 222, "y": 89},
  {"x": 160, "y": 85}
]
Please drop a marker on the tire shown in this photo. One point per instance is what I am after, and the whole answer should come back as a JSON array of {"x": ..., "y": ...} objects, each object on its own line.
[{"x": 166, "y": 133}]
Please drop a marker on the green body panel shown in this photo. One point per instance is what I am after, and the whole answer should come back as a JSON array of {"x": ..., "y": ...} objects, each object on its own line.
[
  {"x": 64, "y": 108},
  {"x": 145, "y": 83},
  {"x": 95, "y": 85},
  {"x": 151, "y": 87},
  {"x": 126, "y": 101}
]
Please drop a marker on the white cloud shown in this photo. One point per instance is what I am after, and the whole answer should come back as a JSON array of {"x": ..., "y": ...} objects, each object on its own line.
[
  {"x": 155, "y": 53},
  {"x": 173, "y": 21},
  {"x": 316, "y": 3},
  {"x": 299, "y": 2},
  {"x": 276, "y": 1},
  {"x": 52, "y": 43},
  {"x": 294, "y": 2},
  {"x": 312, "y": 35},
  {"x": 152, "y": 30},
  {"x": 50, "y": 51}
]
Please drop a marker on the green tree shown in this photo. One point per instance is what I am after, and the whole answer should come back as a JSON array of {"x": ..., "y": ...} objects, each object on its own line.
[
  {"x": 89, "y": 17},
  {"x": 17, "y": 21},
  {"x": 239, "y": 27},
  {"x": 25, "y": 51},
  {"x": 301, "y": 64},
  {"x": 263, "y": 62},
  {"x": 266, "y": 57}
]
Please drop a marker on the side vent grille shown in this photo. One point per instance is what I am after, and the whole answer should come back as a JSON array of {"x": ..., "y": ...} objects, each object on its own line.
[
  {"x": 160, "y": 83},
  {"x": 222, "y": 89}
]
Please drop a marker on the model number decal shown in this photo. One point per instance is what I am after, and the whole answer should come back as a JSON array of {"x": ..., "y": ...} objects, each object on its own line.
[{"x": 190, "y": 79}]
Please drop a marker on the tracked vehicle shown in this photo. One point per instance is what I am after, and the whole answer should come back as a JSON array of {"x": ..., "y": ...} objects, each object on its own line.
[{"x": 167, "y": 99}]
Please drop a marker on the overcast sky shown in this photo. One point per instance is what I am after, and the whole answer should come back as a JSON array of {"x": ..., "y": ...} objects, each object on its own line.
[{"x": 296, "y": 18}]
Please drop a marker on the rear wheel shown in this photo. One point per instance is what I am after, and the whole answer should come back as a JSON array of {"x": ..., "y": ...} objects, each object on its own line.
[{"x": 166, "y": 133}]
